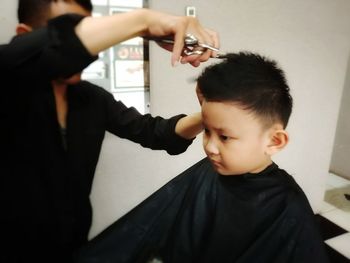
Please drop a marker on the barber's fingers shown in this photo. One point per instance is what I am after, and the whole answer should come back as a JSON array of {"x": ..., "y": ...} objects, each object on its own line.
[
  {"x": 179, "y": 37},
  {"x": 214, "y": 37},
  {"x": 161, "y": 24},
  {"x": 209, "y": 37}
]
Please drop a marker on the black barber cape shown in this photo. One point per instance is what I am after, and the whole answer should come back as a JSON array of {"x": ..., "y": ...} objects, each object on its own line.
[{"x": 201, "y": 216}]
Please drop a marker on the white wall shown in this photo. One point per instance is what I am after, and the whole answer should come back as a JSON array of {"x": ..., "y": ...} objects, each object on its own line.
[
  {"x": 341, "y": 148},
  {"x": 8, "y": 19},
  {"x": 309, "y": 38}
]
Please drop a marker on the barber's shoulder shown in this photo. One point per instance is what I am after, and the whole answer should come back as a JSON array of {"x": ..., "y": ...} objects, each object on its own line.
[{"x": 65, "y": 20}]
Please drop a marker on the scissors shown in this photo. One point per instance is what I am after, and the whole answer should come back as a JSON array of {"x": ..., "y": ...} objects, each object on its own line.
[{"x": 192, "y": 45}]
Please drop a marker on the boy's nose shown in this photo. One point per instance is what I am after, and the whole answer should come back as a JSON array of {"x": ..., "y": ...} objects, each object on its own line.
[{"x": 210, "y": 147}]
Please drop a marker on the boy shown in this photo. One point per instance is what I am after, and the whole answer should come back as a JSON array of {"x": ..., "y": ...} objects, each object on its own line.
[{"x": 236, "y": 205}]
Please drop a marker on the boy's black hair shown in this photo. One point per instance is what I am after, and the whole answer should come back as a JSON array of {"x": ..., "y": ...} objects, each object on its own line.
[
  {"x": 35, "y": 12},
  {"x": 251, "y": 80}
]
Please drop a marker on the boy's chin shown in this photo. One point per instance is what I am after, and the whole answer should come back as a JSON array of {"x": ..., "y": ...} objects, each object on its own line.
[{"x": 222, "y": 171}]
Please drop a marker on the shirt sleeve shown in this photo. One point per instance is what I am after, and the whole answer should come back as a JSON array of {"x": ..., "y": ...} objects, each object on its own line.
[
  {"x": 47, "y": 53},
  {"x": 156, "y": 133}
]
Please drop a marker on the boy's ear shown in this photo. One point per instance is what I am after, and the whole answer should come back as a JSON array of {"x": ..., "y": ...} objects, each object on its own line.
[
  {"x": 23, "y": 28},
  {"x": 278, "y": 139}
]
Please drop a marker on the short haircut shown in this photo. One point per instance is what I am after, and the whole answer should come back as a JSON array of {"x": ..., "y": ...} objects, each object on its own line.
[
  {"x": 36, "y": 12},
  {"x": 253, "y": 82}
]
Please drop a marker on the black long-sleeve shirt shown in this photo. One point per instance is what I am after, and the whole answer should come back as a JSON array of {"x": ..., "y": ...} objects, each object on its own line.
[{"x": 45, "y": 188}]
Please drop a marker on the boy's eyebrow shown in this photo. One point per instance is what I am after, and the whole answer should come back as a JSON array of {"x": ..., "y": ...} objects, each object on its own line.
[
  {"x": 220, "y": 130},
  {"x": 225, "y": 131}
]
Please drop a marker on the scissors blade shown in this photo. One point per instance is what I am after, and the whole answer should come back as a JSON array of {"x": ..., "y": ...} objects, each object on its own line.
[
  {"x": 206, "y": 46},
  {"x": 221, "y": 56}
]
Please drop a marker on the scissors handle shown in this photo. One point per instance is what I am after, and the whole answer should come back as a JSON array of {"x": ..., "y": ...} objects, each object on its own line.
[{"x": 190, "y": 41}]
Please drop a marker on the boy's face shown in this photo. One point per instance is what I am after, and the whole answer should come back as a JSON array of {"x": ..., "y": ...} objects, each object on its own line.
[{"x": 234, "y": 139}]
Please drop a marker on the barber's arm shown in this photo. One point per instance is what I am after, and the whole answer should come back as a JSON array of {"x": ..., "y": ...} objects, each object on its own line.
[
  {"x": 47, "y": 53},
  {"x": 100, "y": 33},
  {"x": 189, "y": 126}
]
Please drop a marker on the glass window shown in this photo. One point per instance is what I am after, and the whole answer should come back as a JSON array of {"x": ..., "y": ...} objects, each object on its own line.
[{"x": 123, "y": 69}]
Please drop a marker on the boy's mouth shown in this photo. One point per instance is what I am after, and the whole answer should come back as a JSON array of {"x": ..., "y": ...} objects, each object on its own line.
[{"x": 215, "y": 163}]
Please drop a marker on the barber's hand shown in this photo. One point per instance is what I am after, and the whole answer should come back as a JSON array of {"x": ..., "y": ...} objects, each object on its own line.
[{"x": 162, "y": 24}]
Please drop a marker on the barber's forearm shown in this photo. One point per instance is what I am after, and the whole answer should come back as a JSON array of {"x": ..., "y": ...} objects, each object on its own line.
[
  {"x": 189, "y": 126},
  {"x": 100, "y": 33}
]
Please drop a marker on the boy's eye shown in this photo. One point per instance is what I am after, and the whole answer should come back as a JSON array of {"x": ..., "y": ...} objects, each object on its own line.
[
  {"x": 206, "y": 131},
  {"x": 224, "y": 138}
]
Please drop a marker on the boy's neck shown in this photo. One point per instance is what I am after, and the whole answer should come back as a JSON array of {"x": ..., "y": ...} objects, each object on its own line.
[{"x": 262, "y": 167}]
